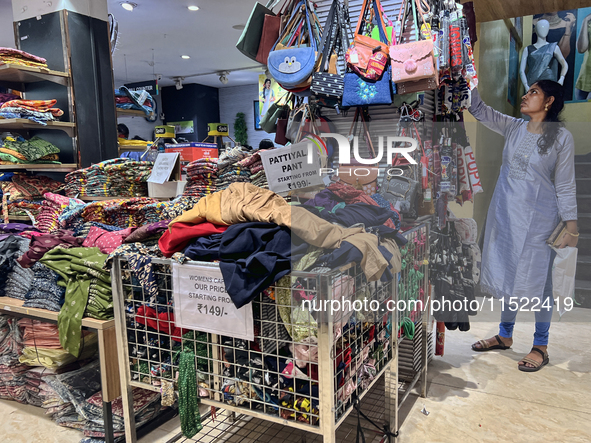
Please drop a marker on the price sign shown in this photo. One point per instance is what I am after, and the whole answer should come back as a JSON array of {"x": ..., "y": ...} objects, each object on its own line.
[
  {"x": 287, "y": 169},
  {"x": 202, "y": 303},
  {"x": 163, "y": 167}
]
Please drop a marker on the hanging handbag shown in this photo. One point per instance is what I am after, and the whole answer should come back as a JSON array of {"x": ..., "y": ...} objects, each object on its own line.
[
  {"x": 250, "y": 40},
  {"x": 362, "y": 92},
  {"x": 414, "y": 61},
  {"x": 269, "y": 36},
  {"x": 275, "y": 111},
  {"x": 331, "y": 84},
  {"x": 280, "y": 138},
  {"x": 362, "y": 177},
  {"x": 295, "y": 64},
  {"x": 366, "y": 56}
]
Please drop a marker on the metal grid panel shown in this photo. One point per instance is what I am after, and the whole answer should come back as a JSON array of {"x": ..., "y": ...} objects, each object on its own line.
[{"x": 278, "y": 375}]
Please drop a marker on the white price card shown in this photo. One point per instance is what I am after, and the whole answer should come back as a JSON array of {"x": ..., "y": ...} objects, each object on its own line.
[
  {"x": 288, "y": 169},
  {"x": 163, "y": 167},
  {"x": 202, "y": 303}
]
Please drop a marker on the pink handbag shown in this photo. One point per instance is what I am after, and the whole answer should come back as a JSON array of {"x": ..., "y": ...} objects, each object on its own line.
[{"x": 413, "y": 61}]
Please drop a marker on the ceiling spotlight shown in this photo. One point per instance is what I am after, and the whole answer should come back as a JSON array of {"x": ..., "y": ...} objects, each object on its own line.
[
  {"x": 193, "y": 8},
  {"x": 186, "y": 57},
  {"x": 178, "y": 82},
  {"x": 224, "y": 77},
  {"x": 129, "y": 6}
]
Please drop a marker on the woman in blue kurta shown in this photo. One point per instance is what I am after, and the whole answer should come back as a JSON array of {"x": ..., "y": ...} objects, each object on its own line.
[{"x": 525, "y": 208}]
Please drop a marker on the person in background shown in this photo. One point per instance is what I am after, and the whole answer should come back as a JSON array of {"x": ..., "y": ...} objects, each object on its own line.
[
  {"x": 122, "y": 131},
  {"x": 266, "y": 144},
  {"x": 526, "y": 207}
]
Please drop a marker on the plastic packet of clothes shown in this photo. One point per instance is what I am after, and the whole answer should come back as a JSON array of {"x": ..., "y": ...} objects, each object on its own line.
[
  {"x": 56, "y": 358},
  {"x": 77, "y": 386}
]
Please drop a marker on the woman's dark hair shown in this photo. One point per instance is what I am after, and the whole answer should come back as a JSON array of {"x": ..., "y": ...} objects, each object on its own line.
[
  {"x": 266, "y": 144},
  {"x": 264, "y": 92},
  {"x": 123, "y": 129},
  {"x": 551, "y": 89}
]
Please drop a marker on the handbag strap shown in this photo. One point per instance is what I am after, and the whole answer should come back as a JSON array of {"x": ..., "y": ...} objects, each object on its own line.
[
  {"x": 359, "y": 115},
  {"x": 328, "y": 31}
]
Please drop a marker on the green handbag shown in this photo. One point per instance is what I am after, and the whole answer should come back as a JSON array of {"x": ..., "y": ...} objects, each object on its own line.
[
  {"x": 250, "y": 39},
  {"x": 275, "y": 112}
]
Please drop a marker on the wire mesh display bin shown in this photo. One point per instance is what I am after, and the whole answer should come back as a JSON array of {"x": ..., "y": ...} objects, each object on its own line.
[
  {"x": 311, "y": 358},
  {"x": 413, "y": 320}
]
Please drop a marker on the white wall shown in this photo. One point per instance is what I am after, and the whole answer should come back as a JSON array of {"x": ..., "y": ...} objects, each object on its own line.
[
  {"x": 240, "y": 99},
  {"x": 6, "y": 29}
]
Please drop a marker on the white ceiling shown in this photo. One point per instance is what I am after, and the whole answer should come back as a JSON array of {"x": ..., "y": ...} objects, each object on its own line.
[{"x": 166, "y": 30}]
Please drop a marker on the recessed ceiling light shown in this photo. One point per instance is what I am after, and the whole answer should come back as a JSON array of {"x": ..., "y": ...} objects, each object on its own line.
[
  {"x": 239, "y": 27},
  {"x": 128, "y": 6},
  {"x": 193, "y": 8},
  {"x": 185, "y": 57}
]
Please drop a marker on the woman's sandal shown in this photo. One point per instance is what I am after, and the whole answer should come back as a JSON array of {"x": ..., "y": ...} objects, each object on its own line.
[
  {"x": 485, "y": 346},
  {"x": 536, "y": 364}
]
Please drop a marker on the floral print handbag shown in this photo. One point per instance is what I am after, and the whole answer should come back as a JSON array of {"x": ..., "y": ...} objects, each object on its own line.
[{"x": 361, "y": 92}]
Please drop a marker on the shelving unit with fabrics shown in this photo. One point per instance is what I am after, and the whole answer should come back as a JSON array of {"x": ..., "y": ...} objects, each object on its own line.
[
  {"x": 304, "y": 370},
  {"x": 107, "y": 345}
]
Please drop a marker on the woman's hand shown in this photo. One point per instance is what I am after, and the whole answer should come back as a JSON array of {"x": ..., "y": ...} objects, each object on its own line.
[
  {"x": 568, "y": 240},
  {"x": 570, "y": 20}
]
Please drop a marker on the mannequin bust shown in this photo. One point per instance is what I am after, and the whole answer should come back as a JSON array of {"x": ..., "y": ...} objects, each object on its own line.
[{"x": 542, "y": 59}]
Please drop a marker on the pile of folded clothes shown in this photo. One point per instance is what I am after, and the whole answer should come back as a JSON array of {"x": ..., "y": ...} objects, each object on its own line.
[
  {"x": 45, "y": 293},
  {"x": 229, "y": 169},
  {"x": 202, "y": 176},
  {"x": 17, "y": 150},
  {"x": 146, "y": 405},
  {"x": 110, "y": 178},
  {"x": 53, "y": 206},
  {"x": 17, "y": 57},
  {"x": 11, "y": 248},
  {"x": 135, "y": 100},
  {"x": 42, "y": 347},
  {"x": 257, "y": 174},
  {"x": 39, "y": 111}
]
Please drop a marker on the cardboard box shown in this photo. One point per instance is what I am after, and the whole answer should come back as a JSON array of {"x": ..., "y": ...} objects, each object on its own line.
[
  {"x": 170, "y": 189},
  {"x": 193, "y": 151}
]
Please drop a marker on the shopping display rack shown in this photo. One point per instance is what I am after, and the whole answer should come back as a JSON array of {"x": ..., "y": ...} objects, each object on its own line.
[{"x": 305, "y": 369}]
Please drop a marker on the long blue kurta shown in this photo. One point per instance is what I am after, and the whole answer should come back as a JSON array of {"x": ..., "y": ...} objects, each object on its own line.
[{"x": 526, "y": 206}]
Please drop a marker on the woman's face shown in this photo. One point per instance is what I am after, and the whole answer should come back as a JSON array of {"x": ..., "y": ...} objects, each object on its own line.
[
  {"x": 268, "y": 84},
  {"x": 534, "y": 101}
]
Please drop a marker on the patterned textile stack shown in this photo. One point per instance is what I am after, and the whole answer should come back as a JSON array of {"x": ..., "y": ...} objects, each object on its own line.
[
  {"x": 19, "y": 280},
  {"x": 202, "y": 177},
  {"x": 39, "y": 111},
  {"x": 228, "y": 169},
  {"x": 12, "y": 381},
  {"x": 17, "y": 57},
  {"x": 111, "y": 178},
  {"x": 44, "y": 292},
  {"x": 16, "y": 150},
  {"x": 119, "y": 213},
  {"x": 10, "y": 249},
  {"x": 53, "y": 206},
  {"x": 255, "y": 166}
]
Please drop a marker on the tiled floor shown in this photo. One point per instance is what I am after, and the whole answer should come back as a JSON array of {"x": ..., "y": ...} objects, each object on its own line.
[{"x": 472, "y": 397}]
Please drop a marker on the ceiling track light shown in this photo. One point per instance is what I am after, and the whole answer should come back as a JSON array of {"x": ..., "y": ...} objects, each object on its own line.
[
  {"x": 128, "y": 6},
  {"x": 178, "y": 82},
  {"x": 224, "y": 77}
]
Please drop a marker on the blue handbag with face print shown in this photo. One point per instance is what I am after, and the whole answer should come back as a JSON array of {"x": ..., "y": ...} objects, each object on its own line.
[
  {"x": 362, "y": 92},
  {"x": 292, "y": 66}
]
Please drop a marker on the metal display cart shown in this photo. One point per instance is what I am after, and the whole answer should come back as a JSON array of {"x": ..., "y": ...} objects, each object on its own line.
[{"x": 336, "y": 356}]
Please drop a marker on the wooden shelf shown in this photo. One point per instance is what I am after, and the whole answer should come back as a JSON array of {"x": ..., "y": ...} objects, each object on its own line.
[
  {"x": 64, "y": 167},
  {"x": 16, "y": 306},
  {"x": 23, "y": 123},
  {"x": 16, "y": 76},
  {"x": 130, "y": 113}
]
